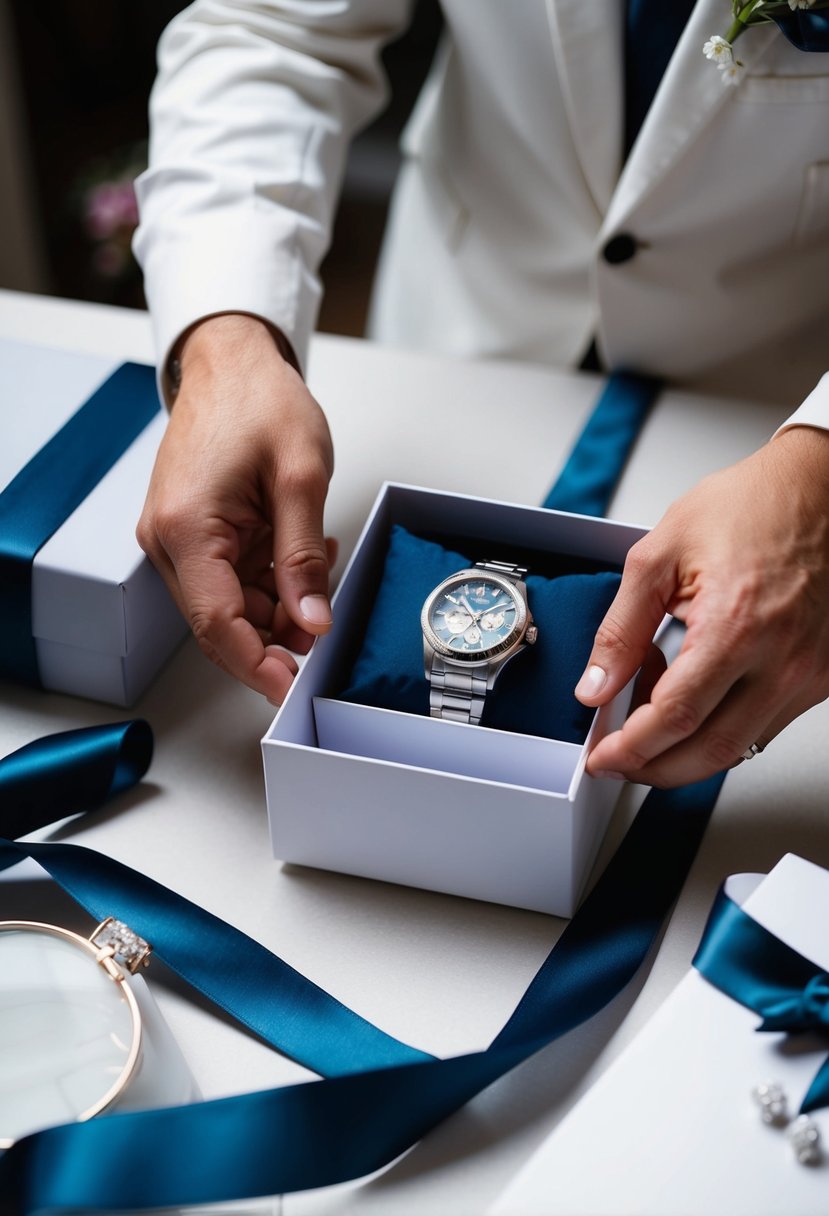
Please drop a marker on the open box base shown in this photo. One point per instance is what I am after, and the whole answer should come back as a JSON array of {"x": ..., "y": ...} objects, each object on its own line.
[{"x": 444, "y": 806}]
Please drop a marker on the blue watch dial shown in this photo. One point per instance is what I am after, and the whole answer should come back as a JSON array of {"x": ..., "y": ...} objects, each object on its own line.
[{"x": 473, "y": 616}]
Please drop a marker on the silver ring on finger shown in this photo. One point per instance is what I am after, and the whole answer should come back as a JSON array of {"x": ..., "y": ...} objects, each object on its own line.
[{"x": 752, "y": 751}]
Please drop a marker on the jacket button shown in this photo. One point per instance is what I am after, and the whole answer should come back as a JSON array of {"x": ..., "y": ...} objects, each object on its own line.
[{"x": 620, "y": 248}]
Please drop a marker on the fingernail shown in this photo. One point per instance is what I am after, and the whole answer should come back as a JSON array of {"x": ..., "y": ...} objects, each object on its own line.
[
  {"x": 610, "y": 776},
  {"x": 316, "y": 609},
  {"x": 592, "y": 682}
]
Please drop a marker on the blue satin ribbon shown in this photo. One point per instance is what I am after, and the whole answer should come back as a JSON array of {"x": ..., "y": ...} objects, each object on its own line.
[
  {"x": 78, "y": 770},
  {"x": 72, "y": 772},
  {"x": 49, "y": 488},
  {"x": 381, "y": 1096},
  {"x": 749, "y": 964},
  {"x": 594, "y": 466}
]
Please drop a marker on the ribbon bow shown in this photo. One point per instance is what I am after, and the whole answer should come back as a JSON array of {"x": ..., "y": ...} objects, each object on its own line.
[
  {"x": 807, "y": 1009},
  {"x": 749, "y": 964}
]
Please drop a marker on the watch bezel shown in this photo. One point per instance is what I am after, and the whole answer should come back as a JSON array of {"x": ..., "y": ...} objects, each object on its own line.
[{"x": 477, "y": 658}]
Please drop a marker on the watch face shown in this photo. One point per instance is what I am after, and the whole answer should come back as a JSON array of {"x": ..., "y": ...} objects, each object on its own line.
[{"x": 474, "y": 616}]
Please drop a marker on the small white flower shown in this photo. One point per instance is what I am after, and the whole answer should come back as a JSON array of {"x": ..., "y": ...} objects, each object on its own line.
[
  {"x": 731, "y": 72},
  {"x": 719, "y": 50},
  {"x": 795, "y": 4}
]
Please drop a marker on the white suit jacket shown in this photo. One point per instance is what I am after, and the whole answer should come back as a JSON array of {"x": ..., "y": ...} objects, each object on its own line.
[{"x": 512, "y": 188}]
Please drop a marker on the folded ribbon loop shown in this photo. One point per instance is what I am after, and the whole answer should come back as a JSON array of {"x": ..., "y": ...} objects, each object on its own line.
[
  {"x": 70, "y": 772},
  {"x": 749, "y": 964}
]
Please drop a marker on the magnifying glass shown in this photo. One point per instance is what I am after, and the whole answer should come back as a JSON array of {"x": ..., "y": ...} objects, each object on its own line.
[{"x": 70, "y": 1025}]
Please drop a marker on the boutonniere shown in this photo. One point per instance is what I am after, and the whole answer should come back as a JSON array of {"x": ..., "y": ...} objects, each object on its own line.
[{"x": 800, "y": 20}]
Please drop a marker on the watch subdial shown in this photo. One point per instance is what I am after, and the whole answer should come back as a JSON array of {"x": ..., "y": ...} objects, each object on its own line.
[
  {"x": 491, "y": 621},
  {"x": 472, "y": 637},
  {"x": 457, "y": 620}
]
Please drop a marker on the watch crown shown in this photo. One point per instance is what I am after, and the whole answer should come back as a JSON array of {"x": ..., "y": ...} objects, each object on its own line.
[{"x": 531, "y": 636}]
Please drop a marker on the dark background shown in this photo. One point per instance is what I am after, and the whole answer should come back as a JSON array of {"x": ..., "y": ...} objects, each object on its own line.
[{"x": 84, "y": 72}]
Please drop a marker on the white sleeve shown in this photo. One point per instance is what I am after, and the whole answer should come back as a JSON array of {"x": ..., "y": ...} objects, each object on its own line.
[
  {"x": 815, "y": 409},
  {"x": 251, "y": 113}
]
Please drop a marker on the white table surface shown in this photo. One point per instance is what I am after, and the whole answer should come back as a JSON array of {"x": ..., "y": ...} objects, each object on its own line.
[{"x": 437, "y": 971}]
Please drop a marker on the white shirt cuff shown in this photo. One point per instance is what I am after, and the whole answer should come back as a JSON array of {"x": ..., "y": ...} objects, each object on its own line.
[{"x": 815, "y": 409}]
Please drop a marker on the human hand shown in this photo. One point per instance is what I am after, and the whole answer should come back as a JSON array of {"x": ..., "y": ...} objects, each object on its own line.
[
  {"x": 743, "y": 561},
  {"x": 233, "y": 516}
]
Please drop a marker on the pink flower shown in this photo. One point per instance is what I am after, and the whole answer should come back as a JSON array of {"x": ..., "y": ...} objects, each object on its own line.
[{"x": 109, "y": 207}]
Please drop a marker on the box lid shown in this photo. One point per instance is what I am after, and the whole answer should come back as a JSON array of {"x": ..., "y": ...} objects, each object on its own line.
[{"x": 90, "y": 581}]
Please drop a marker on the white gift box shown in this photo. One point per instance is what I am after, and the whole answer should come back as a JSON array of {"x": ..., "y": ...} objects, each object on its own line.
[
  {"x": 440, "y": 805},
  {"x": 671, "y": 1128},
  {"x": 102, "y": 618}
]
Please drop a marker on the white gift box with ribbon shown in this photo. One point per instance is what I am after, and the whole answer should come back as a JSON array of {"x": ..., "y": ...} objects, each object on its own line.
[
  {"x": 102, "y": 618},
  {"x": 671, "y": 1129},
  {"x": 440, "y": 805}
]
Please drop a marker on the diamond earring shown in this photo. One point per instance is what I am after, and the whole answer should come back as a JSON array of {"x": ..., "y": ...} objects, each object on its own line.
[
  {"x": 804, "y": 1135},
  {"x": 771, "y": 1099}
]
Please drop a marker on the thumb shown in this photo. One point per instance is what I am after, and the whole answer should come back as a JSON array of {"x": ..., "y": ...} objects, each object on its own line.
[
  {"x": 624, "y": 638},
  {"x": 301, "y": 561}
]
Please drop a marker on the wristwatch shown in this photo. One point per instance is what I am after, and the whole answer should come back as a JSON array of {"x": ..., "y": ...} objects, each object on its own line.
[{"x": 473, "y": 623}]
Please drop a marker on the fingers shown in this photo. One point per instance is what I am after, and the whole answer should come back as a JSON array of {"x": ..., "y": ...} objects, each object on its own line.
[
  {"x": 262, "y": 605},
  {"x": 223, "y": 582},
  {"x": 756, "y": 708},
  {"x": 210, "y": 597},
  {"x": 284, "y": 632},
  {"x": 750, "y": 576},
  {"x": 692, "y": 724},
  {"x": 624, "y": 638},
  {"x": 239, "y": 627},
  {"x": 300, "y": 550},
  {"x": 748, "y": 571},
  {"x": 682, "y": 699},
  {"x": 643, "y": 755},
  {"x": 803, "y": 701},
  {"x": 263, "y": 609},
  {"x": 233, "y": 518}
]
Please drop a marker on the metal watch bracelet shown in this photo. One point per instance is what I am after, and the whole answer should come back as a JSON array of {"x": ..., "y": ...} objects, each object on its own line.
[{"x": 459, "y": 696}]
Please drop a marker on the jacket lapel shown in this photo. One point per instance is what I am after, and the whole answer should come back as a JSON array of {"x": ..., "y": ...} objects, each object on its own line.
[
  {"x": 587, "y": 43},
  {"x": 689, "y": 97}
]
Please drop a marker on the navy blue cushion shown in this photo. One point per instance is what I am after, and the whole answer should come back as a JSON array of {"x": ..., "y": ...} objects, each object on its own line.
[{"x": 534, "y": 693}]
